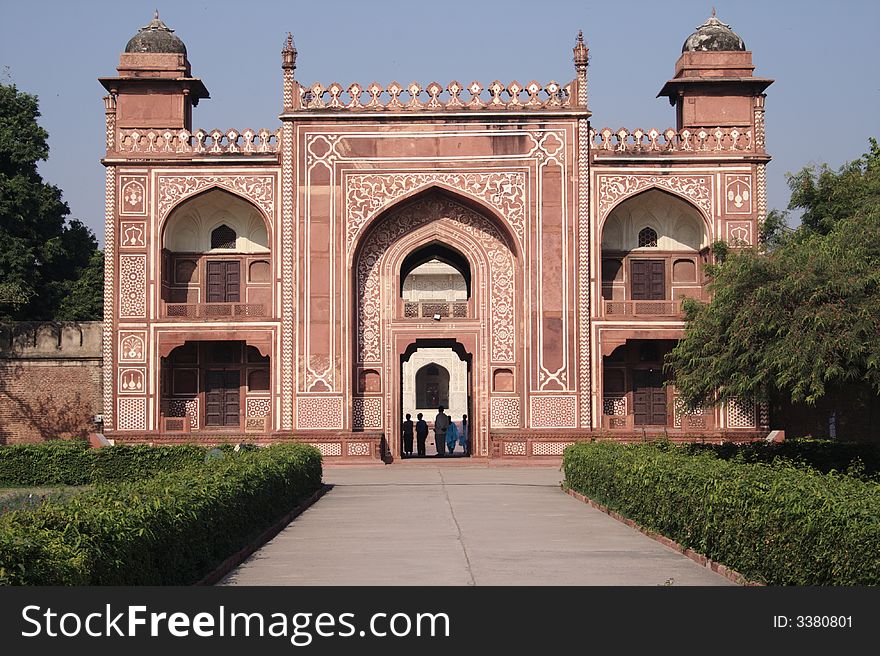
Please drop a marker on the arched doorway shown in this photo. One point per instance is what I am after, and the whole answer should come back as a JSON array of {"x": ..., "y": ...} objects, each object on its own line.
[
  {"x": 215, "y": 385},
  {"x": 434, "y": 268},
  {"x": 431, "y": 387},
  {"x": 435, "y": 372}
]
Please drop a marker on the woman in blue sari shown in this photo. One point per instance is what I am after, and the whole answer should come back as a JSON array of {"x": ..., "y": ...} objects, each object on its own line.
[{"x": 451, "y": 437}]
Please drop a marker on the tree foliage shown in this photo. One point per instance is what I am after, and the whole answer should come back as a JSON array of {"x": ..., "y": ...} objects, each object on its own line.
[
  {"x": 804, "y": 318},
  {"x": 47, "y": 262}
]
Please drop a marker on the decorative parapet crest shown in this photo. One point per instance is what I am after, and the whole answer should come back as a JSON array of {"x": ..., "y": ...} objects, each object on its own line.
[
  {"x": 690, "y": 141},
  {"x": 434, "y": 97},
  {"x": 200, "y": 142}
]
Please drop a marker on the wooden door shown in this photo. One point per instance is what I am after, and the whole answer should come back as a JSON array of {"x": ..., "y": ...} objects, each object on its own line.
[
  {"x": 223, "y": 398},
  {"x": 648, "y": 280},
  {"x": 223, "y": 281},
  {"x": 649, "y": 398}
]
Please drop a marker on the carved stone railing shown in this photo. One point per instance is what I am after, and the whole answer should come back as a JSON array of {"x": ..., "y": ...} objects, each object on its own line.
[
  {"x": 428, "y": 309},
  {"x": 434, "y": 97},
  {"x": 690, "y": 141},
  {"x": 200, "y": 142},
  {"x": 214, "y": 310},
  {"x": 335, "y": 445},
  {"x": 695, "y": 419},
  {"x": 642, "y": 308},
  {"x": 614, "y": 412},
  {"x": 527, "y": 445}
]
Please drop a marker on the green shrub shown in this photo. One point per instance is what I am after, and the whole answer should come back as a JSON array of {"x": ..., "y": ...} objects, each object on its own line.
[
  {"x": 855, "y": 458},
  {"x": 74, "y": 463},
  {"x": 778, "y": 524},
  {"x": 171, "y": 529},
  {"x": 59, "y": 462},
  {"x": 125, "y": 463}
]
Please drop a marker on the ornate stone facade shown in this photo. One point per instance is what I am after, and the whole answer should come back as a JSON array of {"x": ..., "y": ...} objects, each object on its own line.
[{"x": 510, "y": 185}]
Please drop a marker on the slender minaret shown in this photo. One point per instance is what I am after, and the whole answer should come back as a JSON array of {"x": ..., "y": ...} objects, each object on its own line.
[
  {"x": 581, "y": 60},
  {"x": 288, "y": 66}
]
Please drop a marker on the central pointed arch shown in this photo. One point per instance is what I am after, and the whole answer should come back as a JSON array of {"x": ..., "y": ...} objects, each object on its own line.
[
  {"x": 433, "y": 218},
  {"x": 472, "y": 240}
]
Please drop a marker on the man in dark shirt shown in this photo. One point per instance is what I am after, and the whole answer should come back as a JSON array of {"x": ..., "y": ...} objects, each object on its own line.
[
  {"x": 421, "y": 434},
  {"x": 463, "y": 435},
  {"x": 407, "y": 436}
]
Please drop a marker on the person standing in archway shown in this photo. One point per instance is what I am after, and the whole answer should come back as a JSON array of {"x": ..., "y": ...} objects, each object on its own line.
[
  {"x": 451, "y": 437},
  {"x": 463, "y": 434},
  {"x": 407, "y": 430},
  {"x": 421, "y": 434},
  {"x": 441, "y": 423}
]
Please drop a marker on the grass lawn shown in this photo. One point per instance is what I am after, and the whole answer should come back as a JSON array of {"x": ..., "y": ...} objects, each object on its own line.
[{"x": 18, "y": 498}]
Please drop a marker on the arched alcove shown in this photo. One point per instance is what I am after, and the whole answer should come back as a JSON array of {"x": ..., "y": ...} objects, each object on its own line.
[
  {"x": 435, "y": 272},
  {"x": 192, "y": 224},
  {"x": 673, "y": 224},
  {"x": 216, "y": 259},
  {"x": 652, "y": 247}
]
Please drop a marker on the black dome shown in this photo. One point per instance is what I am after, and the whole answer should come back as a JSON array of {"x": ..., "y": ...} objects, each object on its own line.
[
  {"x": 713, "y": 35},
  {"x": 156, "y": 36}
]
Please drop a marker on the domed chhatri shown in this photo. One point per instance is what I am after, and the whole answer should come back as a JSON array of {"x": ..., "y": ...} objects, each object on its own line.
[
  {"x": 713, "y": 35},
  {"x": 157, "y": 37}
]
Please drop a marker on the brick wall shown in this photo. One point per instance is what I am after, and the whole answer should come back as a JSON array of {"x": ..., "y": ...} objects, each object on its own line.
[{"x": 50, "y": 380}]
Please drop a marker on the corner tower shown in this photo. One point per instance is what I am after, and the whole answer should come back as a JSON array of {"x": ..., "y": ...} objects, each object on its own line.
[
  {"x": 714, "y": 83},
  {"x": 155, "y": 88}
]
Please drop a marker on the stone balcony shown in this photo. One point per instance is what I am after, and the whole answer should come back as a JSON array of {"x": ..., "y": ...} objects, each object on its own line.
[
  {"x": 642, "y": 309},
  {"x": 433, "y": 309},
  {"x": 221, "y": 311}
]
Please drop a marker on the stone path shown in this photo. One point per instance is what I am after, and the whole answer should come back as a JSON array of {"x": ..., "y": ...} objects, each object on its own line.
[{"x": 453, "y": 523}]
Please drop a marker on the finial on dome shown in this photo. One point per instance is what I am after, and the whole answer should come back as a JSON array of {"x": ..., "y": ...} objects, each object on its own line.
[
  {"x": 713, "y": 13},
  {"x": 156, "y": 14}
]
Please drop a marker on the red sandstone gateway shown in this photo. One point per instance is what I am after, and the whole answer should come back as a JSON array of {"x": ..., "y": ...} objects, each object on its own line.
[{"x": 391, "y": 248}]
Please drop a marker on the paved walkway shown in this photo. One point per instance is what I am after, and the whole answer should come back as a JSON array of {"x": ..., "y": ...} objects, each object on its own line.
[{"x": 453, "y": 523}]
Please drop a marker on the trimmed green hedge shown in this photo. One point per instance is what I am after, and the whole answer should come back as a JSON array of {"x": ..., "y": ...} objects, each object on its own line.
[
  {"x": 72, "y": 462},
  {"x": 171, "y": 529},
  {"x": 779, "y": 524},
  {"x": 858, "y": 459}
]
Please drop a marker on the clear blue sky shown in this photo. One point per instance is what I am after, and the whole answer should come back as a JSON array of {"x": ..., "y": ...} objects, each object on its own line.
[{"x": 824, "y": 55}]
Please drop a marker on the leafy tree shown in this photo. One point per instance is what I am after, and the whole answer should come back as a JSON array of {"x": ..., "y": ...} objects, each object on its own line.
[
  {"x": 45, "y": 259},
  {"x": 828, "y": 196},
  {"x": 803, "y": 320},
  {"x": 84, "y": 298}
]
